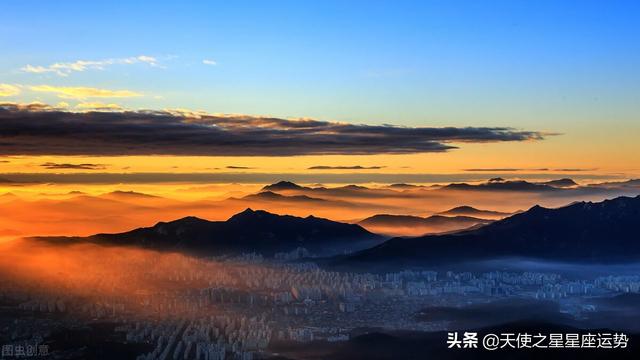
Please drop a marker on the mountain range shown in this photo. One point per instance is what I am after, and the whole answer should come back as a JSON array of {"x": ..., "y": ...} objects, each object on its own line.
[
  {"x": 602, "y": 232},
  {"x": 248, "y": 231},
  {"x": 586, "y": 232}
]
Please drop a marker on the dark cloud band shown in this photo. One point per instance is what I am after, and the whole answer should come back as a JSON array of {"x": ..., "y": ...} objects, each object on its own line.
[
  {"x": 56, "y": 166},
  {"x": 43, "y": 131},
  {"x": 529, "y": 169},
  {"x": 355, "y": 167}
]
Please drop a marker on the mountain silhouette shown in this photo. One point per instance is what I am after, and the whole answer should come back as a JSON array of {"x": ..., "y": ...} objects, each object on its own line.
[
  {"x": 499, "y": 184},
  {"x": 248, "y": 231},
  {"x": 561, "y": 183},
  {"x": 632, "y": 183},
  {"x": 603, "y": 232},
  {"x": 473, "y": 212},
  {"x": 129, "y": 194},
  {"x": 283, "y": 185},
  {"x": 341, "y": 192},
  {"x": 399, "y": 224},
  {"x": 272, "y": 196}
]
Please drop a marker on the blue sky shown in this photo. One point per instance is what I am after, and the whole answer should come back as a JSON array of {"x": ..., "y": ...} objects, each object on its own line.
[{"x": 549, "y": 64}]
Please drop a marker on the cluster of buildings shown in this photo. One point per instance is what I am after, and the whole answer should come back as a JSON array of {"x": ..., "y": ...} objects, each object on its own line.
[
  {"x": 216, "y": 337},
  {"x": 235, "y": 308}
]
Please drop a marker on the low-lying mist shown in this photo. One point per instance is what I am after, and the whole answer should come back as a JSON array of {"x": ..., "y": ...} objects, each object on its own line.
[{"x": 72, "y": 277}]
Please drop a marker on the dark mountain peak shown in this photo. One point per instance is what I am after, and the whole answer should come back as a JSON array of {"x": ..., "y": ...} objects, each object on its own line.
[
  {"x": 496, "y": 180},
  {"x": 268, "y": 195},
  {"x": 466, "y": 210},
  {"x": 462, "y": 208},
  {"x": 354, "y": 187},
  {"x": 187, "y": 220},
  {"x": 282, "y": 185},
  {"x": 129, "y": 194},
  {"x": 540, "y": 208},
  {"x": 403, "y": 186},
  {"x": 565, "y": 182},
  {"x": 247, "y": 213}
]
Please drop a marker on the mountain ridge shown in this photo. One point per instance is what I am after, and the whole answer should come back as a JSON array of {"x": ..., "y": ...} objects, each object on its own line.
[
  {"x": 247, "y": 231},
  {"x": 601, "y": 232}
]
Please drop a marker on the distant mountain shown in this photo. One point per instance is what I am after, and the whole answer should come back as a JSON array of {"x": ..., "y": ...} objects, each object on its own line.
[
  {"x": 403, "y": 186},
  {"x": 632, "y": 183},
  {"x": 273, "y": 200},
  {"x": 129, "y": 194},
  {"x": 415, "y": 225},
  {"x": 602, "y": 232},
  {"x": 271, "y": 196},
  {"x": 9, "y": 195},
  {"x": 341, "y": 192},
  {"x": 283, "y": 185},
  {"x": 561, "y": 183},
  {"x": 247, "y": 231},
  {"x": 473, "y": 212},
  {"x": 499, "y": 184}
]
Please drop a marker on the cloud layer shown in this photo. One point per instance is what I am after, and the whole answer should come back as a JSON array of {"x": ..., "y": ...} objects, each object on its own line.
[{"x": 36, "y": 129}]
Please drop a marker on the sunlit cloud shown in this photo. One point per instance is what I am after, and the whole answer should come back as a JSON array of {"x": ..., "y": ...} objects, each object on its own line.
[
  {"x": 66, "y": 68},
  {"x": 98, "y": 106},
  {"x": 209, "y": 62},
  {"x": 80, "y": 92},
  {"x": 9, "y": 90}
]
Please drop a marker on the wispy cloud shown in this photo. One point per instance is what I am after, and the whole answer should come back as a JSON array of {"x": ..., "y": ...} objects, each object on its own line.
[
  {"x": 238, "y": 167},
  {"x": 209, "y": 62},
  {"x": 66, "y": 68},
  {"x": 98, "y": 106},
  {"x": 38, "y": 129},
  {"x": 79, "y": 92},
  {"x": 355, "y": 167},
  {"x": 9, "y": 90},
  {"x": 58, "y": 166}
]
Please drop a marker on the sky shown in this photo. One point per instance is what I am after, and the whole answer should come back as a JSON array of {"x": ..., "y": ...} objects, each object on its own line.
[{"x": 561, "y": 77}]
